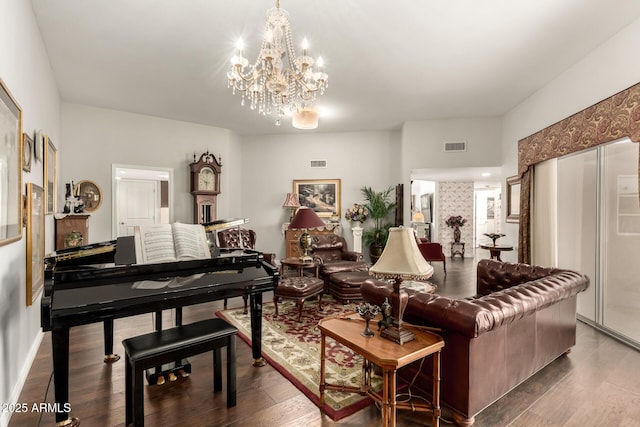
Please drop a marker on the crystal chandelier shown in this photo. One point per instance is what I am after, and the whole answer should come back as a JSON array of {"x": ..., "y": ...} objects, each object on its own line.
[{"x": 269, "y": 86}]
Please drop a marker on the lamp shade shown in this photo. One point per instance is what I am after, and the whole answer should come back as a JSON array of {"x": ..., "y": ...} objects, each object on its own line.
[
  {"x": 306, "y": 118},
  {"x": 291, "y": 201},
  {"x": 306, "y": 218},
  {"x": 401, "y": 258}
]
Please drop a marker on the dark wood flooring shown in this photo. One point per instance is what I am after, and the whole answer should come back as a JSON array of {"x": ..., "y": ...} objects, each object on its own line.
[{"x": 597, "y": 384}]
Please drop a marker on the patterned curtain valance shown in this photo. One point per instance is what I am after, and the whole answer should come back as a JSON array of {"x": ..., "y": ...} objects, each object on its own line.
[
  {"x": 610, "y": 119},
  {"x": 613, "y": 118}
]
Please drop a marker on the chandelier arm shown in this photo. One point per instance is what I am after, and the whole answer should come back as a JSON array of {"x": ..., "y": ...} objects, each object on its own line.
[{"x": 270, "y": 84}]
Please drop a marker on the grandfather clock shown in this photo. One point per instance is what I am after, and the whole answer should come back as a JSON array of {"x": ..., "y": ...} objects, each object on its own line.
[{"x": 205, "y": 187}]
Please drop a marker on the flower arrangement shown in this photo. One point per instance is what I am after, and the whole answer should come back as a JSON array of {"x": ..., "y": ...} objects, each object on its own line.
[
  {"x": 455, "y": 220},
  {"x": 356, "y": 212}
]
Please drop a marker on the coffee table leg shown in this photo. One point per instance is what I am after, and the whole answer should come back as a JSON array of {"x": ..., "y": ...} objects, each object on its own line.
[
  {"x": 322, "y": 383},
  {"x": 385, "y": 398},
  {"x": 392, "y": 392},
  {"x": 436, "y": 389}
]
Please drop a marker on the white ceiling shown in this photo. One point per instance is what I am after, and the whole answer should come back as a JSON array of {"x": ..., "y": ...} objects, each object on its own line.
[{"x": 388, "y": 61}]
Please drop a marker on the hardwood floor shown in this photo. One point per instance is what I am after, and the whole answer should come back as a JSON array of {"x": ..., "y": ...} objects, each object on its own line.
[{"x": 597, "y": 384}]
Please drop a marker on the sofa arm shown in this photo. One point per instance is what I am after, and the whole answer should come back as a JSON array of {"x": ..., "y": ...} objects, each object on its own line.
[{"x": 432, "y": 310}]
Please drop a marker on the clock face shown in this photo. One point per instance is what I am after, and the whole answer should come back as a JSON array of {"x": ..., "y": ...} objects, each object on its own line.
[{"x": 206, "y": 180}]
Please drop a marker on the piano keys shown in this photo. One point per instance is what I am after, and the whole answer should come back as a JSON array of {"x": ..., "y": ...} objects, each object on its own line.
[{"x": 100, "y": 283}]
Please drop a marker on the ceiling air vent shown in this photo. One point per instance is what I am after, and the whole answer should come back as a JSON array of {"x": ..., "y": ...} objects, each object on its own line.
[
  {"x": 455, "y": 146},
  {"x": 318, "y": 163}
]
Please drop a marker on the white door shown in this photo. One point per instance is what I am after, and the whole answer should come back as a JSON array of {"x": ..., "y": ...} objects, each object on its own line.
[{"x": 138, "y": 204}]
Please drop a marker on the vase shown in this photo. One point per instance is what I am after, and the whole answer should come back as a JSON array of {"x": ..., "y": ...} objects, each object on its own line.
[
  {"x": 355, "y": 224},
  {"x": 456, "y": 234}
]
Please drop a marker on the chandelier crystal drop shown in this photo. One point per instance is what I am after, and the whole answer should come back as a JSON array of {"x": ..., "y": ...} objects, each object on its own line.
[{"x": 270, "y": 87}]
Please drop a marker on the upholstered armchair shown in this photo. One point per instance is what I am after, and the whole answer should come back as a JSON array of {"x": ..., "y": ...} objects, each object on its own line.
[
  {"x": 236, "y": 238},
  {"x": 432, "y": 251},
  {"x": 331, "y": 251}
]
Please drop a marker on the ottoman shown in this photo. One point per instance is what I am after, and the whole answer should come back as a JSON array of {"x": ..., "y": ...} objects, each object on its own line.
[
  {"x": 298, "y": 289},
  {"x": 345, "y": 286}
]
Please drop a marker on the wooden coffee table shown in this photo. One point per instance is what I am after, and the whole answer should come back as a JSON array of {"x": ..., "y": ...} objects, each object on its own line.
[{"x": 387, "y": 355}]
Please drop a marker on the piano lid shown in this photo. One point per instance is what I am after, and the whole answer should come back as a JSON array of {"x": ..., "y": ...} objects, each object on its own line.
[
  {"x": 223, "y": 224},
  {"x": 120, "y": 251}
]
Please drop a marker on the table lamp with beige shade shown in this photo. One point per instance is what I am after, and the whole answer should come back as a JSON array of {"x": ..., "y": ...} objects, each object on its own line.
[{"x": 400, "y": 260}]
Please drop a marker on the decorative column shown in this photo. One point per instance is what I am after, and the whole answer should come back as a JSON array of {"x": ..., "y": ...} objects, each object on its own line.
[{"x": 357, "y": 236}]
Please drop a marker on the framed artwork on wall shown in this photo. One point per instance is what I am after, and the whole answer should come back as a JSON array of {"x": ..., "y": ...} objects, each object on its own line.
[
  {"x": 90, "y": 194},
  {"x": 35, "y": 241},
  {"x": 513, "y": 199},
  {"x": 491, "y": 207},
  {"x": 10, "y": 167},
  {"x": 38, "y": 144},
  {"x": 321, "y": 195},
  {"x": 27, "y": 152},
  {"x": 50, "y": 166}
]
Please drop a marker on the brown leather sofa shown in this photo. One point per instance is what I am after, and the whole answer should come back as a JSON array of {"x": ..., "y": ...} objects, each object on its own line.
[
  {"x": 522, "y": 318},
  {"x": 331, "y": 251}
]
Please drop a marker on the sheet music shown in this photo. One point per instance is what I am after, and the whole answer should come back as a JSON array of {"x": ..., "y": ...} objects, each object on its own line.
[{"x": 170, "y": 242}]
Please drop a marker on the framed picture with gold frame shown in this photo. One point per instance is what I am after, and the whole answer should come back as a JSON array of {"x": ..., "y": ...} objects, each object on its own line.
[
  {"x": 10, "y": 167},
  {"x": 321, "y": 195},
  {"x": 513, "y": 199},
  {"x": 35, "y": 241},
  {"x": 50, "y": 172},
  {"x": 89, "y": 193}
]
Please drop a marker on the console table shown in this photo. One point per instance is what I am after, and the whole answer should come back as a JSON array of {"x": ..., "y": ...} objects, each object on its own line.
[
  {"x": 292, "y": 237},
  {"x": 72, "y": 223},
  {"x": 457, "y": 248},
  {"x": 387, "y": 355}
]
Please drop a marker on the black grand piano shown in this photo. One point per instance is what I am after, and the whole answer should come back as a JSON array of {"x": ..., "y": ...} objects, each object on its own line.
[{"x": 100, "y": 283}]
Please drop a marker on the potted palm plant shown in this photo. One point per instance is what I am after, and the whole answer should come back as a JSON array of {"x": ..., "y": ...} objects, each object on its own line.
[{"x": 379, "y": 204}]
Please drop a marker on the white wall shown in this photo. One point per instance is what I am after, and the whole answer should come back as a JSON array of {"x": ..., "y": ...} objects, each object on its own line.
[
  {"x": 423, "y": 145},
  {"x": 271, "y": 163},
  {"x": 25, "y": 69},
  {"x": 96, "y": 138}
]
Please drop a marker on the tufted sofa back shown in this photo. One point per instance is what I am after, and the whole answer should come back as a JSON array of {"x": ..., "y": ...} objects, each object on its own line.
[
  {"x": 524, "y": 289},
  {"x": 495, "y": 276}
]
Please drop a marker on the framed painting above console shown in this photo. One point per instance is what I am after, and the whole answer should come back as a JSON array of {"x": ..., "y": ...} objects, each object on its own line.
[{"x": 321, "y": 195}]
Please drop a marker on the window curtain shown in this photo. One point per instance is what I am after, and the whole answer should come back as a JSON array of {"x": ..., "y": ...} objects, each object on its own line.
[
  {"x": 610, "y": 119},
  {"x": 544, "y": 214}
]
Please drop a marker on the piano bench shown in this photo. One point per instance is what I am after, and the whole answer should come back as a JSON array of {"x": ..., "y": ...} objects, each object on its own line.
[{"x": 168, "y": 345}]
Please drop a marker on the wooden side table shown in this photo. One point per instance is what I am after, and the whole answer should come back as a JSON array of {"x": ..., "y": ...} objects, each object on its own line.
[
  {"x": 494, "y": 250},
  {"x": 300, "y": 266},
  {"x": 457, "y": 248},
  {"x": 387, "y": 355}
]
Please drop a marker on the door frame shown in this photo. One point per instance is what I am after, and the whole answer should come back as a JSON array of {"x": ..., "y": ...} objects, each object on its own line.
[{"x": 151, "y": 173}]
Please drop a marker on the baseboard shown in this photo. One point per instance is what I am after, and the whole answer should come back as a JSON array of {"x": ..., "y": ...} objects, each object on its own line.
[{"x": 22, "y": 378}]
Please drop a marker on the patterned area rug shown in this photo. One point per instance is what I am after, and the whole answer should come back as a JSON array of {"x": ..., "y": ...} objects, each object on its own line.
[{"x": 293, "y": 348}]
